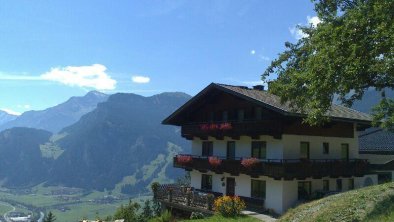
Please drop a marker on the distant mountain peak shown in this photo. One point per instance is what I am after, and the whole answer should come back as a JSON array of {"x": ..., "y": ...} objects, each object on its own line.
[{"x": 96, "y": 93}]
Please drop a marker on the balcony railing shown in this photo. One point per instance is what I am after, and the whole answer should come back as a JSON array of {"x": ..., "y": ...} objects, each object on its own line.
[
  {"x": 280, "y": 168},
  {"x": 190, "y": 199},
  {"x": 233, "y": 128}
]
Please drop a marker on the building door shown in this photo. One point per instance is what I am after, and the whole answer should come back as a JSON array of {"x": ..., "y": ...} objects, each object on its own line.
[
  {"x": 230, "y": 150},
  {"x": 230, "y": 186},
  {"x": 345, "y": 151}
]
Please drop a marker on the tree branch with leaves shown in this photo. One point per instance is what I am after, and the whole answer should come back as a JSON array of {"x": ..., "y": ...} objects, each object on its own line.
[{"x": 350, "y": 51}]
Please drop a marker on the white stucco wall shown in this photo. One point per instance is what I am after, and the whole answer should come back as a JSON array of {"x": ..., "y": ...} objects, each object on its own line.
[
  {"x": 290, "y": 195},
  {"x": 292, "y": 146},
  {"x": 242, "y": 146}
]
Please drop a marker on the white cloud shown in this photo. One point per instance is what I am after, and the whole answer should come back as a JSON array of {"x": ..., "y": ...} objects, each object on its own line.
[
  {"x": 313, "y": 20},
  {"x": 140, "y": 79},
  {"x": 12, "y": 112},
  {"x": 299, "y": 34},
  {"x": 252, "y": 52},
  {"x": 93, "y": 76}
]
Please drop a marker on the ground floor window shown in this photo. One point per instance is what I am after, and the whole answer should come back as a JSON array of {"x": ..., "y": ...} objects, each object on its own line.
[
  {"x": 351, "y": 184},
  {"x": 326, "y": 185},
  {"x": 339, "y": 184},
  {"x": 258, "y": 189},
  {"x": 206, "y": 182},
  {"x": 304, "y": 190}
]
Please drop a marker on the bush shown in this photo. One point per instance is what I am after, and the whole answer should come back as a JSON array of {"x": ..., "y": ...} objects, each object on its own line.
[
  {"x": 196, "y": 215},
  {"x": 164, "y": 217},
  {"x": 229, "y": 206}
]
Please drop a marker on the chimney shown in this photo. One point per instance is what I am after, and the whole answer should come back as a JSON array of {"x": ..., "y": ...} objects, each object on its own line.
[{"x": 259, "y": 87}]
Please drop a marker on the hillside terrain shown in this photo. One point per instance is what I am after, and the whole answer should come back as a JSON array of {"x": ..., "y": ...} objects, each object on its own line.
[
  {"x": 120, "y": 145},
  {"x": 21, "y": 162},
  {"x": 370, "y": 99},
  {"x": 56, "y": 118},
  {"x": 374, "y": 203}
]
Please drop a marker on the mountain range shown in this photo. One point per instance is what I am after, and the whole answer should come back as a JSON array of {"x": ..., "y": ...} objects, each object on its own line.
[
  {"x": 56, "y": 118},
  {"x": 120, "y": 144}
]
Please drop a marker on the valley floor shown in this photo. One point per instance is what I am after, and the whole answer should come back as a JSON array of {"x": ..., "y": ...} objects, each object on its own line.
[{"x": 67, "y": 204}]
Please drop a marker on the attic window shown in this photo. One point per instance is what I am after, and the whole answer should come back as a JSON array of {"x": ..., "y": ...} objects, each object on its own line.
[
  {"x": 258, "y": 113},
  {"x": 241, "y": 115}
]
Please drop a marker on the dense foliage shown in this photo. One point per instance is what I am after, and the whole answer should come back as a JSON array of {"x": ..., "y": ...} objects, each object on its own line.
[
  {"x": 229, "y": 206},
  {"x": 350, "y": 51}
]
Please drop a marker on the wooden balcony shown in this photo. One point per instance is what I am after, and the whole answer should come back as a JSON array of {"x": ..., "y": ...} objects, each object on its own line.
[
  {"x": 196, "y": 200},
  {"x": 287, "y": 169},
  {"x": 233, "y": 129}
]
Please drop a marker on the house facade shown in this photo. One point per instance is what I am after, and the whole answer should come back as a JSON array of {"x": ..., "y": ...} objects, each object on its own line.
[{"x": 246, "y": 143}]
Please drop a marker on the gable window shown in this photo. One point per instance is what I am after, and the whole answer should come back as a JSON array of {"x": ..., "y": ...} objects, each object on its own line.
[
  {"x": 206, "y": 182},
  {"x": 304, "y": 150},
  {"x": 351, "y": 184},
  {"x": 241, "y": 115},
  {"x": 207, "y": 148},
  {"x": 211, "y": 117},
  {"x": 304, "y": 190},
  {"x": 339, "y": 184},
  {"x": 326, "y": 148},
  {"x": 258, "y": 113},
  {"x": 326, "y": 185},
  {"x": 258, "y": 189},
  {"x": 225, "y": 116},
  {"x": 259, "y": 149}
]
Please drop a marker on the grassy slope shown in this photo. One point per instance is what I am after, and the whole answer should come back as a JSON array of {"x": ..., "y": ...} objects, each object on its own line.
[{"x": 375, "y": 203}]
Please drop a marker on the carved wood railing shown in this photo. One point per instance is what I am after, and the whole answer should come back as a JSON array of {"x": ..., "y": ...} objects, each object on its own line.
[{"x": 282, "y": 168}]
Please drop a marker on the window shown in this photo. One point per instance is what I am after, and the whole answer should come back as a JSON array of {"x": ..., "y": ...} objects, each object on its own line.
[
  {"x": 258, "y": 189},
  {"x": 259, "y": 149},
  {"x": 207, "y": 148},
  {"x": 351, "y": 184},
  {"x": 206, "y": 182},
  {"x": 211, "y": 117},
  {"x": 231, "y": 150},
  {"x": 258, "y": 113},
  {"x": 225, "y": 116},
  {"x": 339, "y": 184},
  {"x": 241, "y": 115},
  {"x": 304, "y": 190},
  {"x": 326, "y": 148},
  {"x": 345, "y": 151},
  {"x": 304, "y": 150},
  {"x": 326, "y": 185}
]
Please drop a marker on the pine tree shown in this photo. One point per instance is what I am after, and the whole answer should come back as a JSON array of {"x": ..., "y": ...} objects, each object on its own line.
[{"x": 50, "y": 217}]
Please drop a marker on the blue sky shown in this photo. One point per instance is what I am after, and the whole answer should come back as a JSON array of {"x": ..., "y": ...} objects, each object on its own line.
[{"x": 52, "y": 50}]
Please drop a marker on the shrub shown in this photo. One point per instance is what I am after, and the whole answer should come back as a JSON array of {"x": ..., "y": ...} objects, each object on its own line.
[
  {"x": 164, "y": 217},
  {"x": 196, "y": 215},
  {"x": 229, "y": 206},
  {"x": 214, "y": 161},
  {"x": 249, "y": 162},
  {"x": 183, "y": 159}
]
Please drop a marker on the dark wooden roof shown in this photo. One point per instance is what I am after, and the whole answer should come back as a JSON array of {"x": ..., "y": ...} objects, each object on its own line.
[
  {"x": 272, "y": 102},
  {"x": 376, "y": 141}
]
